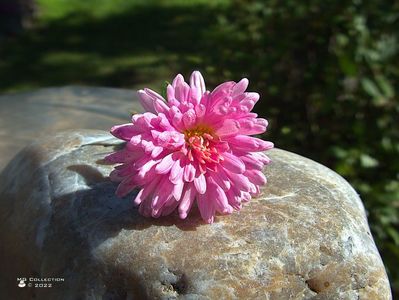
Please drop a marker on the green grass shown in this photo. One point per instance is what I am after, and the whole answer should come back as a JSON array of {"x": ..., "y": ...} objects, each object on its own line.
[
  {"x": 120, "y": 43},
  {"x": 58, "y": 9}
]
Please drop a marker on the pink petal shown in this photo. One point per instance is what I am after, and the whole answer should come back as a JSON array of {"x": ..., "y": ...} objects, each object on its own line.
[
  {"x": 115, "y": 177},
  {"x": 206, "y": 208},
  {"x": 165, "y": 165},
  {"x": 197, "y": 84},
  {"x": 162, "y": 193},
  {"x": 145, "y": 208},
  {"x": 146, "y": 101},
  {"x": 160, "y": 106},
  {"x": 170, "y": 139},
  {"x": 205, "y": 99},
  {"x": 182, "y": 89},
  {"x": 219, "y": 197},
  {"x": 245, "y": 196},
  {"x": 134, "y": 141},
  {"x": 249, "y": 101},
  {"x": 186, "y": 201},
  {"x": 261, "y": 157},
  {"x": 139, "y": 163},
  {"x": 222, "y": 90},
  {"x": 233, "y": 163},
  {"x": 146, "y": 190},
  {"x": 154, "y": 95},
  {"x": 228, "y": 128},
  {"x": 238, "y": 181},
  {"x": 200, "y": 183},
  {"x": 124, "y": 131},
  {"x": 182, "y": 92},
  {"x": 254, "y": 97},
  {"x": 126, "y": 186},
  {"x": 176, "y": 173},
  {"x": 248, "y": 143},
  {"x": 189, "y": 172},
  {"x": 156, "y": 151},
  {"x": 221, "y": 180},
  {"x": 197, "y": 80},
  {"x": 146, "y": 168},
  {"x": 122, "y": 171},
  {"x": 178, "y": 189},
  {"x": 151, "y": 101},
  {"x": 123, "y": 156},
  {"x": 200, "y": 110},
  {"x": 169, "y": 207},
  {"x": 240, "y": 87},
  {"x": 256, "y": 177},
  {"x": 252, "y": 126},
  {"x": 251, "y": 163},
  {"x": 246, "y": 105},
  {"x": 234, "y": 200},
  {"x": 170, "y": 94},
  {"x": 147, "y": 145},
  {"x": 178, "y": 80},
  {"x": 177, "y": 117},
  {"x": 189, "y": 118}
]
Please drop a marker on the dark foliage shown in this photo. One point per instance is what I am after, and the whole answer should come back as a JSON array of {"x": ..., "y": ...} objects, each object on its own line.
[{"x": 328, "y": 72}]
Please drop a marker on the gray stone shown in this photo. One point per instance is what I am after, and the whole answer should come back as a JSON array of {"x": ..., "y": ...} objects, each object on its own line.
[
  {"x": 305, "y": 237},
  {"x": 25, "y": 117}
]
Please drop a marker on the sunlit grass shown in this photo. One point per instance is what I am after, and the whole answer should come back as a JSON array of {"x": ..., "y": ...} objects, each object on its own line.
[
  {"x": 57, "y": 9},
  {"x": 119, "y": 43}
]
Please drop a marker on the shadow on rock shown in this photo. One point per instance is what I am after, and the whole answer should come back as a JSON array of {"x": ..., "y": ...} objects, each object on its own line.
[{"x": 98, "y": 207}]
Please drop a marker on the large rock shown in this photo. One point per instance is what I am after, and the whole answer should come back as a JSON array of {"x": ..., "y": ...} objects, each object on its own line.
[
  {"x": 305, "y": 237},
  {"x": 25, "y": 117}
]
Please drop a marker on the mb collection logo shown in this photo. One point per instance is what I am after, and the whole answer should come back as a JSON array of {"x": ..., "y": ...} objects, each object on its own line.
[{"x": 38, "y": 282}]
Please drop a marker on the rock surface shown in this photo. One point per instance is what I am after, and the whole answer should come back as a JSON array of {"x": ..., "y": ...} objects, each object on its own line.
[
  {"x": 305, "y": 237},
  {"x": 25, "y": 117}
]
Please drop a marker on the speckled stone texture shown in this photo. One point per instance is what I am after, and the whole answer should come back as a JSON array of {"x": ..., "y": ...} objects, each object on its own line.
[{"x": 305, "y": 237}]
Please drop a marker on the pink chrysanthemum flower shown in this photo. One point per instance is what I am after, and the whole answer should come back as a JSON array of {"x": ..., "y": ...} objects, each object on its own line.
[{"x": 193, "y": 148}]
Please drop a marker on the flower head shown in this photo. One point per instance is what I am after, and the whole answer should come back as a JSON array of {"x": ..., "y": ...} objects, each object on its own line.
[{"x": 194, "y": 147}]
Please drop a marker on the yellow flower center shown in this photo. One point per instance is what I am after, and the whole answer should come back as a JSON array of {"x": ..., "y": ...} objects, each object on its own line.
[
  {"x": 198, "y": 131},
  {"x": 202, "y": 147}
]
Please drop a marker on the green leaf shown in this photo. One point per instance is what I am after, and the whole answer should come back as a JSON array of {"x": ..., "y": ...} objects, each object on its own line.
[
  {"x": 347, "y": 66},
  {"x": 370, "y": 88},
  {"x": 385, "y": 86},
  {"x": 393, "y": 234},
  {"x": 367, "y": 161},
  {"x": 164, "y": 89},
  {"x": 285, "y": 130},
  {"x": 339, "y": 152}
]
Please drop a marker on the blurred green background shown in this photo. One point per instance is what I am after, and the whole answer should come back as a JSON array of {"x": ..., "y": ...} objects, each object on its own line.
[{"x": 328, "y": 72}]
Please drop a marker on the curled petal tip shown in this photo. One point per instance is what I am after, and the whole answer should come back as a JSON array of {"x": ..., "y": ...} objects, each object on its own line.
[
  {"x": 183, "y": 215},
  {"x": 210, "y": 220},
  {"x": 179, "y": 79},
  {"x": 240, "y": 87}
]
